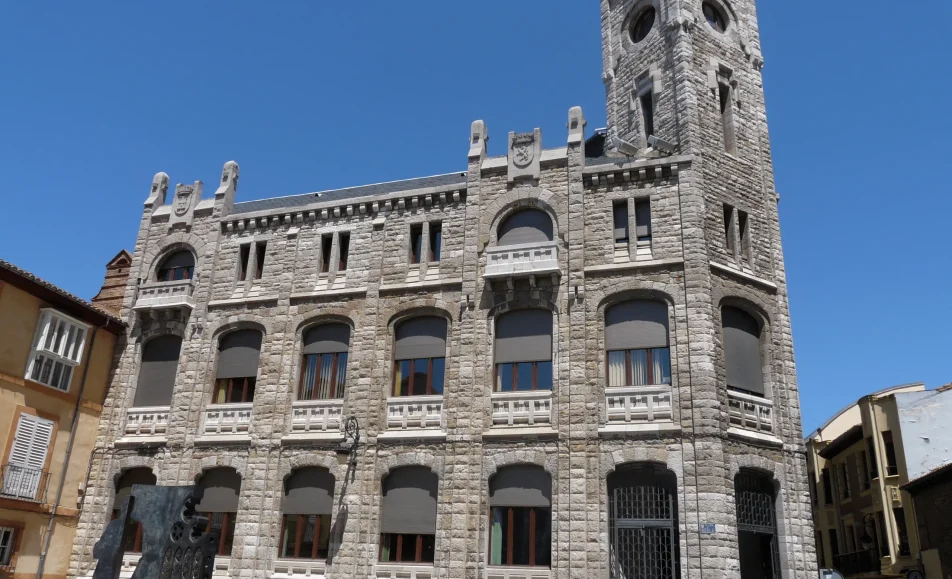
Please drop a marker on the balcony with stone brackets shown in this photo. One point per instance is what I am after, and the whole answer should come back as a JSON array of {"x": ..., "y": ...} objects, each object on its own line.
[
  {"x": 145, "y": 426},
  {"x": 315, "y": 421},
  {"x": 634, "y": 409},
  {"x": 226, "y": 423},
  {"x": 751, "y": 417},
  {"x": 414, "y": 418},
  {"x": 524, "y": 260},
  {"x": 163, "y": 295},
  {"x": 521, "y": 413}
]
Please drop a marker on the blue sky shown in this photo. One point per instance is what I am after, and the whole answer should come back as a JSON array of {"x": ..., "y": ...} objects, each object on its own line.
[{"x": 98, "y": 97}]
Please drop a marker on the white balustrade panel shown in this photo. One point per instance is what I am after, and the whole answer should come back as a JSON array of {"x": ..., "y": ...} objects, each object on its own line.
[
  {"x": 750, "y": 412},
  {"x": 638, "y": 404},
  {"x": 517, "y": 573},
  {"x": 524, "y": 259},
  {"x": 165, "y": 294},
  {"x": 298, "y": 568},
  {"x": 227, "y": 418},
  {"x": 385, "y": 571},
  {"x": 147, "y": 421},
  {"x": 522, "y": 408},
  {"x": 314, "y": 416},
  {"x": 414, "y": 412}
]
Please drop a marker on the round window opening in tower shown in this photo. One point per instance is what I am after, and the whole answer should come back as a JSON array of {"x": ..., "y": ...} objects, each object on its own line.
[
  {"x": 714, "y": 16},
  {"x": 642, "y": 25}
]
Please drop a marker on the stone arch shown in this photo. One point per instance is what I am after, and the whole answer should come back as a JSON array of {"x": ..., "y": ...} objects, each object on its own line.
[
  {"x": 749, "y": 304},
  {"x": 640, "y": 454},
  {"x": 299, "y": 461},
  {"x": 418, "y": 458},
  {"x": 753, "y": 462},
  {"x": 240, "y": 322},
  {"x": 761, "y": 315},
  {"x": 493, "y": 463},
  {"x": 238, "y": 463},
  {"x": 128, "y": 463},
  {"x": 415, "y": 310},
  {"x": 515, "y": 200},
  {"x": 174, "y": 242},
  {"x": 324, "y": 317}
]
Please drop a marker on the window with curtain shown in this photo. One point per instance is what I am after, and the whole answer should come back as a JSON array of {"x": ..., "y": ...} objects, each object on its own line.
[
  {"x": 176, "y": 266},
  {"x": 523, "y": 350},
  {"x": 306, "y": 514},
  {"x": 520, "y": 517},
  {"x": 419, "y": 357},
  {"x": 222, "y": 487},
  {"x": 408, "y": 516},
  {"x": 160, "y": 357},
  {"x": 132, "y": 534},
  {"x": 237, "y": 373},
  {"x": 742, "y": 351},
  {"x": 636, "y": 344},
  {"x": 525, "y": 226},
  {"x": 324, "y": 368}
]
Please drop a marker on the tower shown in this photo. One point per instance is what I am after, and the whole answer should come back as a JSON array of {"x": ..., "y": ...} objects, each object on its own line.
[{"x": 689, "y": 73}]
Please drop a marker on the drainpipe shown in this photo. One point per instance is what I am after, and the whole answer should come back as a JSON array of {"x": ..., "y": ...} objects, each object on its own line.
[{"x": 69, "y": 451}]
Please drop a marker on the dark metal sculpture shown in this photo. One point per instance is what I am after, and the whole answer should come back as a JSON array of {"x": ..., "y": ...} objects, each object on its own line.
[{"x": 174, "y": 542}]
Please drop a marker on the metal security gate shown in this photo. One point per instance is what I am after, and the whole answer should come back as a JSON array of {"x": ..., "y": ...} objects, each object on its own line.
[
  {"x": 757, "y": 526},
  {"x": 644, "y": 538}
]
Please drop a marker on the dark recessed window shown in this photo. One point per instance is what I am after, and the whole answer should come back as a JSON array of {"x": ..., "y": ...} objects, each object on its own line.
[
  {"x": 642, "y": 24},
  {"x": 714, "y": 16}
]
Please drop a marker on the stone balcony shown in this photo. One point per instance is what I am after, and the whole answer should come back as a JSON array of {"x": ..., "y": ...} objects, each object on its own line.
[
  {"x": 518, "y": 573},
  {"x": 415, "y": 417},
  {"x": 226, "y": 422},
  {"x": 316, "y": 420},
  {"x": 751, "y": 417},
  {"x": 521, "y": 413},
  {"x": 161, "y": 295},
  {"x": 146, "y": 425},
  {"x": 638, "y": 409},
  {"x": 298, "y": 568},
  {"x": 529, "y": 259},
  {"x": 403, "y": 571}
]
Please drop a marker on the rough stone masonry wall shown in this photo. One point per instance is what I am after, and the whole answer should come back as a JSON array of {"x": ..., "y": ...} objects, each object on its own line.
[{"x": 377, "y": 292}]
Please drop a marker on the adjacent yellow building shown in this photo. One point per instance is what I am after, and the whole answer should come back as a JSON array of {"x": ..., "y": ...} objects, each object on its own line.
[{"x": 56, "y": 354}]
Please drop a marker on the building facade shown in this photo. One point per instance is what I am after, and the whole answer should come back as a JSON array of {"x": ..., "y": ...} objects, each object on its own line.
[
  {"x": 56, "y": 352},
  {"x": 563, "y": 362},
  {"x": 860, "y": 463}
]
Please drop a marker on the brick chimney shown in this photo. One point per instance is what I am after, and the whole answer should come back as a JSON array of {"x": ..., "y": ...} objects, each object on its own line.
[{"x": 110, "y": 295}]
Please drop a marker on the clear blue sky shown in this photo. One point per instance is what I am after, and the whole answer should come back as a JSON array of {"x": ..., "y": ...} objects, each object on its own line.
[{"x": 96, "y": 97}]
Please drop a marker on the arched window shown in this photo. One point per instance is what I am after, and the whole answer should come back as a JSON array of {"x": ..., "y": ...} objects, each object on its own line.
[
  {"x": 523, "y": 350},
  {"x": 419, "y": 357},
  {"x": 636, "y": 343},
  {"x": 178, "y": 265},
  {"x": 643, "y": 522},
  {"x": 160, "y": 357},
  {"x": 324, "y": 370},
  {"x": 520, "y": 517},
  {"x": 754, "y": 496},
  {"x": 306, "y": 509},
  {"x": 742, "y": 351},
  {"x": 132, "y": 534},
  {"x": 238, "y": 354},
  {"x": 408, "y": 517},
  {"x": 220, "y": 504},
  {"x": 525, "y": 226}
]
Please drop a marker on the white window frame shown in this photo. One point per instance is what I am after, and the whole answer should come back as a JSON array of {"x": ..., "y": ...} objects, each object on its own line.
[
  {"x": 8, "y": 537},
  {"x": 66, "y": 355}
]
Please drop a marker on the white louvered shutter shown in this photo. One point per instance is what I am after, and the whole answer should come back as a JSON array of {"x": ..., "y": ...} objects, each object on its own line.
[{"x": 31, "y": 444}]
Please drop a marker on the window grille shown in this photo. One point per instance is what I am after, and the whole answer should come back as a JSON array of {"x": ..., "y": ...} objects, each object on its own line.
[{"x": 643, "y": 531}]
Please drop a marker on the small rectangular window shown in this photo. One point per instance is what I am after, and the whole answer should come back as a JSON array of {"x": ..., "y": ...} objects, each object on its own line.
[
  {"x": 827, "y": 487},
  {"x": 620, "y": 218},
  {"x": 892, "y": 467},
  {"x": 743, "y": 225},
  {"x": 244, "y": 253},
  {"x": 343, "y": 247},
  {"x": 900, "y": 514},
  {"x": 436, "y": 240},
  {"x": 865, "y": 475},
  {"x": 305, "y": 536},
  {"x": 813, "y": 490},
  {"x": 260, "y": 249},
  {"x": 871, "y": 450},
  {"x": 416, "y": 241},
  {"x": 327, "y": 242},
  {"x": 834, "y": 543},
  {"x": 844, "y": 481},
  {"x": 407, "y": 548},
  {"x": 729, "y": 228},
  {"x": 727, "y": 117},
  {"x": 643, "y": 219},
  {"x": 234, "y": 390},
  {"x": 520, "y": 536},
  {"x": 7, "y": 537},
  {"x": 647, "y": 113}
]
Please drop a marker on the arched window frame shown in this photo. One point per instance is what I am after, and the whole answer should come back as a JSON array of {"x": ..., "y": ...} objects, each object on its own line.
[
  {"x": 755, "y": 498},
  {"x": 323, "y": 374},
  {"x": 407, "y": 529},
  {"x": 520, "y": 506},
  {"x": 419, "y": 369},
  {"x": 177, "y": 265},
  {"x": 526, "y": 234},
  {"x": 236, "y": 373},
  {"x": 132, "y": 534},
  {"x": 220, "y": 519},
  {"x": 310, "y": 516},
  {"x": 758, "y": 382},
  {"x": 512, "y": 371},
  {"x": 157, "y": 374},
  {"x": 638, "y": 346}
]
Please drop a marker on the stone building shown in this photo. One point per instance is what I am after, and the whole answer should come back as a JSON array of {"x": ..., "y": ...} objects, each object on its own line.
[
  {"x": 568, "y": 361},
  {"x": 865, "y": 464},
  {"x": 56, "y": 352}
]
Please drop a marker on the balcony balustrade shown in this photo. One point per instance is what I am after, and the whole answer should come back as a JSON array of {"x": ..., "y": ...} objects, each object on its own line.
[
  {"x": 750, "y": 412},
  {"x": 147, "y": 421},
  {"x": 398, "y": 571},
  {"x": 522, "y": 260},
  {"x": 414, "y": 412},
  {"x": 528, "y": 408},
  {"x": 316, "y": 416},
  {"x": 638, "y": 404},
  {"x": 518, "y": 573},
  {"x": 160, "y": 295},
  {"x": 27, "y": 484},
  {"x": 225, "y": 419}
]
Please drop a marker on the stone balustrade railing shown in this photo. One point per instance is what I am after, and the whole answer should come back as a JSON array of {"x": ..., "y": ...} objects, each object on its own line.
[
  {"x": 750, "y": 412},
  {"x": 529, "y": 408},
  {"x": 638, "y": 404},
  {"x": 227, "y": 418},
  {"x": 414, "y": 412},
  {"x": 316, "y": 416},
  {"x": 522, "y": 260},
  {"x": 147, "y": 421},
  {"x": 158, "y": 295},
  {"x": 518, "y": 573},
  {"x": 385, "y": 571}
]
